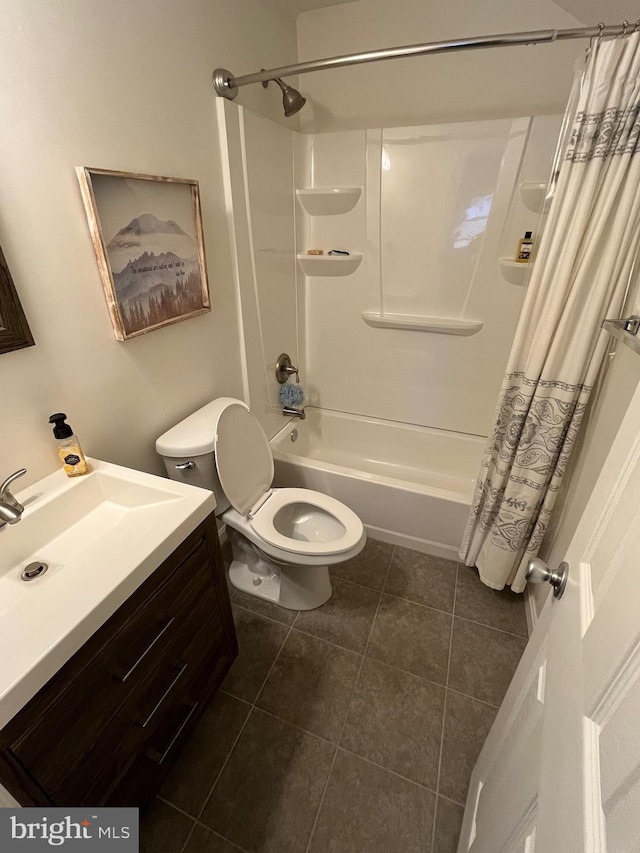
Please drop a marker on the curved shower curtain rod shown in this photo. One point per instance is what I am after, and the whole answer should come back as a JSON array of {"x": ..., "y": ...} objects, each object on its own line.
[{"x": 226, "y": 85}]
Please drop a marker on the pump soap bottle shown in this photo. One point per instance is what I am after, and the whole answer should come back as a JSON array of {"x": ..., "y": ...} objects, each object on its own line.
[{"x": 69, "y": 449}]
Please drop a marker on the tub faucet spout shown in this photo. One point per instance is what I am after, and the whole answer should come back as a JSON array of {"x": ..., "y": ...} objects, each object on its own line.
[{"x": 290, "y": 411}]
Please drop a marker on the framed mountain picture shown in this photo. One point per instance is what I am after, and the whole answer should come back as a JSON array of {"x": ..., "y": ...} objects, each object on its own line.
[{"x": 147, "y": 235}]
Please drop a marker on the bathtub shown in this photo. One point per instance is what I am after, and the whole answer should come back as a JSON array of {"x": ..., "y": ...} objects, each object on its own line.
[{"x": 410, "y": 485}]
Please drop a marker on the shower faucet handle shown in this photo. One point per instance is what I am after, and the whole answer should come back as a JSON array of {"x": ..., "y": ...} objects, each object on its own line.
[{"x": 285, "y": 369}]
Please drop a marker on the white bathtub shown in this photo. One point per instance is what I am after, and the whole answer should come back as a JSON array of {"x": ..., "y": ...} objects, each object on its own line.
[{"x": 410, "y": 485}]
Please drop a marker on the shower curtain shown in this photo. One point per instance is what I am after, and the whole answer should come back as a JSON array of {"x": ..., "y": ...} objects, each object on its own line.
[{"x": 580, "y": 275}]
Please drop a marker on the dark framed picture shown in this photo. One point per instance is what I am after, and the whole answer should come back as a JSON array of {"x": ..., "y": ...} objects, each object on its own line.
[
  {"x": 14, "y": 329},
  {"x": 147, "y": 236}
]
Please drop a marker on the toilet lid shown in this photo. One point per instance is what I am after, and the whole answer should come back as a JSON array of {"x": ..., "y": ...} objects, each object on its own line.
[{"x": 243, "y": 457}]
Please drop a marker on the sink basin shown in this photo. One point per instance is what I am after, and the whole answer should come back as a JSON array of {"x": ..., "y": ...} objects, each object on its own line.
[{"x": 101, "y": 535}]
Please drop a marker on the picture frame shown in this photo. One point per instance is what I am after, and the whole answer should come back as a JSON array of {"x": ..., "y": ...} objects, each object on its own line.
[
  {"x": 147, "y": 235},
  {"x": 14, "y": 328}
]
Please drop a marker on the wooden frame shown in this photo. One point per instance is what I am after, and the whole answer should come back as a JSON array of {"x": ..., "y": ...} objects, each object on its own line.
[
  {"x": 14, "y": 329},
  {"x": 147, "y": 236}
]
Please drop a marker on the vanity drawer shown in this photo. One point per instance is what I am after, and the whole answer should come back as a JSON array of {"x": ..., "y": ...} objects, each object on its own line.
[
  {"x": 178, "y": 720},
  {"x": 118, "y": 659},
  {"x": 150, "y": 709}
]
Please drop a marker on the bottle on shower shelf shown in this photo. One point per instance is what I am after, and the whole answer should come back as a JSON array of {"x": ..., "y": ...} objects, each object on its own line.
[{"x": 525, "y": 246}]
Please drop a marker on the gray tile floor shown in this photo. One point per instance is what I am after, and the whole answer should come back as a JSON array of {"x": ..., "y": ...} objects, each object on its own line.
[{"x": 352, "y": 728}]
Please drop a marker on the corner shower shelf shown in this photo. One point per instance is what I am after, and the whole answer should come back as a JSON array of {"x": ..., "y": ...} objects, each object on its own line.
[
  {"x": 513, "y": 271},
  {"x": 533, "y": 194},
  {"x": 417, "y": 323},
  {"x": 330, "y": 264},
  {"x": 327, "y": 201}
]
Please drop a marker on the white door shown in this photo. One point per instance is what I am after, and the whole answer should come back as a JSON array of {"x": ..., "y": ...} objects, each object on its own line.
[{"x": 560, "y": 770}]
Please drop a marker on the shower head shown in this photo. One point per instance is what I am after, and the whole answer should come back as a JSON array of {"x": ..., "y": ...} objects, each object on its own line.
[
  {"x": 225, "y": 85},
  {"x": 292, "y": 100}
]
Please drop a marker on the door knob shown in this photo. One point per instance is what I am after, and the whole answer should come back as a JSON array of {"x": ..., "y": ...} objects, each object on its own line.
[{"x": 539, "y": 572}]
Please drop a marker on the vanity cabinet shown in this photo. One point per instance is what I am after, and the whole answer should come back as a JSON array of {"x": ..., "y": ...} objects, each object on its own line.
[{"x": 107, "y": 727}]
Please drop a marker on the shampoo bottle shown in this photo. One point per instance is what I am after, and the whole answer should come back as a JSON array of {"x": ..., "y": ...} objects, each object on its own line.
[
  {"x": 524, "y": 248},
  {"x": 69, "y": 449}
]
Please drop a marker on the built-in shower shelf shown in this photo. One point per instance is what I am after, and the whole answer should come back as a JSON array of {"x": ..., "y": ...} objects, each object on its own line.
[
  {"x": 330, "y": 264},
  {"x": 533, "y": 195},
  {"x": 421, "y": 323},
  {"x": 328, "y": 201},
  {"x": 514, "y": 271}
]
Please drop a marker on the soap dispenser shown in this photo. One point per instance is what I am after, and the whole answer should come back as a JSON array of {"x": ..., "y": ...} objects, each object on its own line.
[{"x": 69, "y": 449}]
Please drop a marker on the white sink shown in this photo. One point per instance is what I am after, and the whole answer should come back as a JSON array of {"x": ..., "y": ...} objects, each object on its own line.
[{"x": 101, "y": 535}]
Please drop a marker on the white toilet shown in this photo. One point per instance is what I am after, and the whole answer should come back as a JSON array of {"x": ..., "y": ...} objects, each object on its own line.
[{"x": 283, "y": 540}]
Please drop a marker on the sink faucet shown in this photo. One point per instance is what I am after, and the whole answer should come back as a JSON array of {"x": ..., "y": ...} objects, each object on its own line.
[{"x": 10, "y": 509}]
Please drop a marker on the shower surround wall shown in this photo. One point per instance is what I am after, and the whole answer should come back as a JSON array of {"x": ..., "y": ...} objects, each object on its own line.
[
  {"x": 257, "y": 157},
  {"x": 440, "y": 206},
  {"x": 432, "y": 210}
]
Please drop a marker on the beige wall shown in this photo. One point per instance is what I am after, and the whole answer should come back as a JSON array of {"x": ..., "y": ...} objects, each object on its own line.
[
  {"x": 116, "y": 85},
  {"x": 479, "y": 84}
]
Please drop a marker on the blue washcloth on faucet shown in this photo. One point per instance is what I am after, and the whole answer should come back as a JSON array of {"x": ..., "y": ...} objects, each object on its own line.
[{"x": 291, "y": 395}]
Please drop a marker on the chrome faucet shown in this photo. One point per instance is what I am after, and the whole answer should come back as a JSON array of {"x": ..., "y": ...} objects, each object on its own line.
[
  {"x": 10, "y": 509},
  {"x": 288, "y": 411}
]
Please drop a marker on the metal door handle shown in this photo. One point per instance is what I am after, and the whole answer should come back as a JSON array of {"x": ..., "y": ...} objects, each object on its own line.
[{"x": 539, "y": 572}]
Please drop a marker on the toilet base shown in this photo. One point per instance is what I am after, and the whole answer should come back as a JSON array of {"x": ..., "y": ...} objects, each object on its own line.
[{"x": 292, "y": 586}]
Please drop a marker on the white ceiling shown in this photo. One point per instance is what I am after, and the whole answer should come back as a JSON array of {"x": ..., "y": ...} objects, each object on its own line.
[
  {"x": 590, "y": 12},
  {"x": 296, "y": 7}
]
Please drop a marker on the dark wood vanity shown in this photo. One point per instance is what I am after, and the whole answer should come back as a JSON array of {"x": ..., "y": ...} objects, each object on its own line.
[{"x": 107, "y": 727}]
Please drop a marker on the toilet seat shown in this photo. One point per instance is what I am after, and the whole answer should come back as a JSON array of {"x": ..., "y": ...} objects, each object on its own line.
[
  {"x": 296, "y": 521},
  {"x": 347, "y": 528}
]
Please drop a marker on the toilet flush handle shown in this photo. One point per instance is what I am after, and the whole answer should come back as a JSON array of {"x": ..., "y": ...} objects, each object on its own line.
[{"x": 185, "y": 466}]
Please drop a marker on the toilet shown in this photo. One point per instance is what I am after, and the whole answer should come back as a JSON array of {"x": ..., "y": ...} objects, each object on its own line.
[{"x": 283, "y": 540}]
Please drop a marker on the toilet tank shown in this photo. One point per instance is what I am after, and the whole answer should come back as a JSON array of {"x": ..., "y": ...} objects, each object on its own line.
[{"x": 192, "y": 441}]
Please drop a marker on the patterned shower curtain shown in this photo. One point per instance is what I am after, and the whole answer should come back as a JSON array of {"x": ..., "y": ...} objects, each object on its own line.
[{"x": 582, "y": 268}]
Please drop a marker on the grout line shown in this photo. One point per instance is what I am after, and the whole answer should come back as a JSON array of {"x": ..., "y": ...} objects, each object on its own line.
[
  {"x": 444, "y": 715},
  {"x": 262, "y": 615},
  {"x": 375, "y": 660},
  {"x": 491, "y": 627},
  {"x": 474, "y": 698},
  {"x": 275, "y": 660},
  {"x": 387, "y": 770},
  {"x": 224, "y": 764},
  {"x": 235, "y": 742},
  {"x": 455, "y": 802},
  {"x": 454, "y": 614},
  {"x": 399, "y": 598},
  {"x": 295, "y": 726},
  {"x": 346, "y": 716},
  {"x": 335, "y": 577},
  {"x": 328, "y": 642},
  {"x": 197, "y": 822}
]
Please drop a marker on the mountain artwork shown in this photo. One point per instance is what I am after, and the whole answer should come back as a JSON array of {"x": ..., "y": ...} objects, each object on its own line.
[
  {"x": 152, "y": 269},
  {"x": 156, "y": 273}
]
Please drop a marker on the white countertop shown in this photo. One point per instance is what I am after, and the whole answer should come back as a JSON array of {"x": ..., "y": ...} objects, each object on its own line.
[{"x": 102, "y": 536}]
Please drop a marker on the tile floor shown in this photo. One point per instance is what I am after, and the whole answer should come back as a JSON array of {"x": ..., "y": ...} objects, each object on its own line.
[{"x": 352, "y": 728}]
